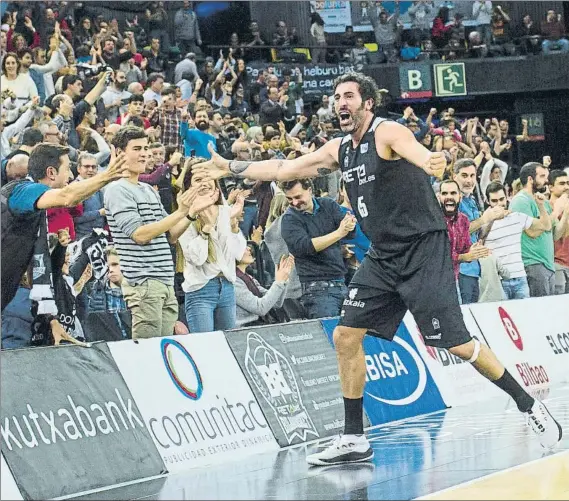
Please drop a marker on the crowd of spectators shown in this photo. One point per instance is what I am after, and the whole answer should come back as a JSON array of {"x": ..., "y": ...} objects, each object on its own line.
[
  {"x": 108, "y": 234},
  {"x": 443, "y": 35}
]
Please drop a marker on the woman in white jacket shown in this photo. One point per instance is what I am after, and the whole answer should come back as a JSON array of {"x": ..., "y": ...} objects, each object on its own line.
[{"x": 211, "y": 245}]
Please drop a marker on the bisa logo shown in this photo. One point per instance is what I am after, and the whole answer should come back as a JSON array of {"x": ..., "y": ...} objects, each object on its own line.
[{"x": 390, "y": 365}]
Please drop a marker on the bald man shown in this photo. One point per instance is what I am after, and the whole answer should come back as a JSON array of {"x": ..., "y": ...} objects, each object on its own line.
[
  {"x": 17, "y": 167},
  {"x": 136, "y": 88},
  {"x": 110, "y": 131}
]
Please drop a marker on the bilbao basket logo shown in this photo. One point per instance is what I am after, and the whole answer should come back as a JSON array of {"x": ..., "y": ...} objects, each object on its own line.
[
  {"x": 182, "y": 369},
  {"x": 398, "y": 363},
  {"x": 511, "y": 328}
]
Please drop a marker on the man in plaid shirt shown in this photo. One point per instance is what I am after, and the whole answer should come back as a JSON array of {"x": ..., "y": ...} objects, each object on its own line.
[
  {"x": 168, "y": 118},
  {"x": 462, "y": 251}
]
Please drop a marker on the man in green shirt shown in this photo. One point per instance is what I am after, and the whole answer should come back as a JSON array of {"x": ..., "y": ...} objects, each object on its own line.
[{"x": 537, "y": 253}]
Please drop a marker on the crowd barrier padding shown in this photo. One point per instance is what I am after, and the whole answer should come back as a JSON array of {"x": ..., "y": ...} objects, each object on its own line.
[
  {"x": 530, "y": 337},
  {"x": 76, "y": 419},
  {"x": 69, "y": 422},
  {"x": 194, "y": 399},
  {"x": 293, "y": 371}
]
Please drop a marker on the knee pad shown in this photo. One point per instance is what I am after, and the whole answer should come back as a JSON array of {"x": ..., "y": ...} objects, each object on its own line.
[{"x": 476, "y": 352}]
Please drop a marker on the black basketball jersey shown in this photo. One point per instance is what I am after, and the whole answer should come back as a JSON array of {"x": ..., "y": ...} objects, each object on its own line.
[{"x": 393, "y": 200}]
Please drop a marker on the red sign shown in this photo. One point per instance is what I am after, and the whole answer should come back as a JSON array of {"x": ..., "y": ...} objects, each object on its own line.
[{"x": 511, "y": 329}]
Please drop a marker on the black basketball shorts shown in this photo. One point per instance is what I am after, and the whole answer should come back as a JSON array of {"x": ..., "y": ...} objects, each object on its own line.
[{"x": 421, "y": 279}]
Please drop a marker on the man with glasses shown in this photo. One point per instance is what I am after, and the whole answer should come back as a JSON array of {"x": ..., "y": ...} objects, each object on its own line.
[{"x": 93, "y": 207}]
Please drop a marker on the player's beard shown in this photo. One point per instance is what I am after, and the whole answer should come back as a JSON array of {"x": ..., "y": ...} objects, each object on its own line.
[{"x": 358, "y": 118}]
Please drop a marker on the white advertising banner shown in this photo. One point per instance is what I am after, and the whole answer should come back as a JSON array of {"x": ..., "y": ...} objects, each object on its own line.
[
  {"x": 194, "y": 399},
  {"x": 530, "y": 337},
  {"x": 336, "y": 14},
  {"x": 458, "y": 382},
  {"x": 8, "y": 487}
]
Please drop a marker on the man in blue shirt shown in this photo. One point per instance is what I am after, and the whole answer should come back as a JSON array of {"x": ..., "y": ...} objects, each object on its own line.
[
  {"x": 24, "y": 203},
  {"x": 197, "y": 140},
  {"x": 469, "y": 276},
  {"x": 312, "y": 229}
]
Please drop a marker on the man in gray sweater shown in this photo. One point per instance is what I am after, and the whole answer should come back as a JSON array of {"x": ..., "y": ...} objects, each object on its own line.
[
  {"x": 187, "y": 29},
  {"x": 385, "y": 28},
  {"x": 142, "y": 232}
]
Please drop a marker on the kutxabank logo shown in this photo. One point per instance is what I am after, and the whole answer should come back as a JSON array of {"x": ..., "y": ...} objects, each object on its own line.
[
  {"x": 274, "y": 378},
  {"x": 172, "y": 352},
  {"x": 390, "y": 366}
]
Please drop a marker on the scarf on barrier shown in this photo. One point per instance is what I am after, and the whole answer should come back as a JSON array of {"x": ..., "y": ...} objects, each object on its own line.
[{"x": 42, "y": 284}]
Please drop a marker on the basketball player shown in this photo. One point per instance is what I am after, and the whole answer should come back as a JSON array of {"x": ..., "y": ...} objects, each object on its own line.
[{"x": 386, "y": 174}]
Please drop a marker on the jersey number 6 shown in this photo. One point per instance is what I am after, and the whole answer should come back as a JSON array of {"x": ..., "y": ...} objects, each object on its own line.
[{"x": 362, "y": 208}]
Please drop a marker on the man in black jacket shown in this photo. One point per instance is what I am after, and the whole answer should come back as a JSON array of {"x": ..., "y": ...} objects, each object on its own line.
[
  {"x": 312, "y": 229},
  {"x": 273, "y": 110}
]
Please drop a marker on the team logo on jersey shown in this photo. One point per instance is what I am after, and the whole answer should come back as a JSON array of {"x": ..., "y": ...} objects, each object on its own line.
[
  {"x": 353, "y": 293},
  {"x": 364, "y": 147}
]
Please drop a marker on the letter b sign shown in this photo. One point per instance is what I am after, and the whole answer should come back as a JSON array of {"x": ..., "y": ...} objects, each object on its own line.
[{"x": 415, "y": 81}]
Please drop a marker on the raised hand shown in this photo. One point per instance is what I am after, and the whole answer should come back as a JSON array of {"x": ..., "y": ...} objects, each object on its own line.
[
  {"x": 117, "y": 167},
  {"x": 257, "y": 235},
  {"x": 238, "y": 205},
  {"x": 284, "y": 269},
  {"x": 213, "y": 169}
]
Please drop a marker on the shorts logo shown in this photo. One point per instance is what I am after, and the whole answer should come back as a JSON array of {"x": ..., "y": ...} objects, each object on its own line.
[
  {"x": 364, "y": 147},
  {"x": 351, "y": 299},
  {"x": 436, "y": 326},
  {"x": 171, "y": 351},
  {"x": 511, "y": 329}
]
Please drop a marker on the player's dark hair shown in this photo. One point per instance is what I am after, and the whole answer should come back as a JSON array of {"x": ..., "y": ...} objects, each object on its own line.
[
  {"x": 368, "y": 88},
  {"x": 127, "y": 134},
  {"x": 45, "y": 155},
  {"x": 494, "y": 187},
  {"x": 289, "y": 185},
  {"x": 554, "y": 174},
  {"x": 527, "y": 171}
]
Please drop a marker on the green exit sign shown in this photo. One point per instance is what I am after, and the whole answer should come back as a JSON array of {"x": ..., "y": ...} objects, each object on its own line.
[{"x": 536, "y": 126}]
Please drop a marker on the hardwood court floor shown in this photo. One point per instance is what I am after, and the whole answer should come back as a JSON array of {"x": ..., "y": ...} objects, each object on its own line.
[{"x": 483, "y": 451}]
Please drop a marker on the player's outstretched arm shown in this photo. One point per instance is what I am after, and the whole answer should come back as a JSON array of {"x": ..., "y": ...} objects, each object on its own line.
[
  {"x": 403, "y": 143},
  {"x": 320, "y": 162}
]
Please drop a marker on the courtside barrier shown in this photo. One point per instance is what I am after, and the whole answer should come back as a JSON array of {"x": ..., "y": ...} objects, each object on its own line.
[
  {"x": 398, "y": 383},
  {"x": 293, "y": 371},
  {"x": 194, "y": 399},
  {"x": 530, "y": 337},
  {"x": 76, "y": 419},
  {"x": 69, "y": 422}
]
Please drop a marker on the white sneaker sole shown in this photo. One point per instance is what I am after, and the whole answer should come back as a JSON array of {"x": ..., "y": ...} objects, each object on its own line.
[{"x": 364, "y": 458}]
